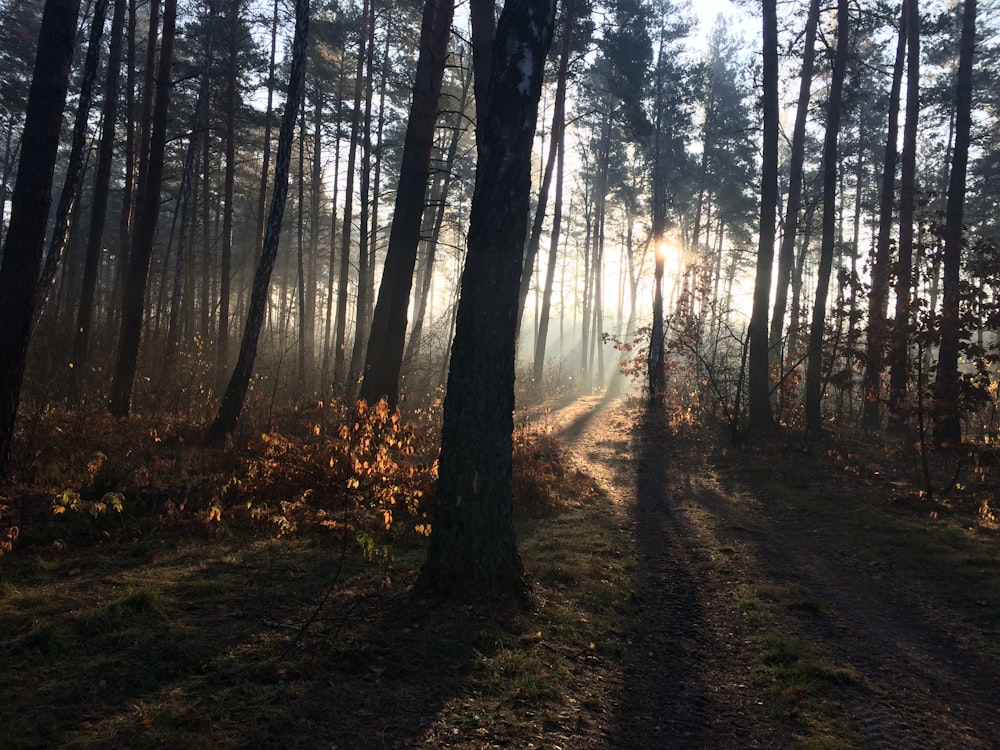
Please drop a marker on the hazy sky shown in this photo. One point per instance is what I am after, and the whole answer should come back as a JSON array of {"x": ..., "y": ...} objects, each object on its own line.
[{"x": 708, "y": 10}]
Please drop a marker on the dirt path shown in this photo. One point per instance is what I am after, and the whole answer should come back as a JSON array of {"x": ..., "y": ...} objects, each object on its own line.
[{"x": 690, "y": 674}]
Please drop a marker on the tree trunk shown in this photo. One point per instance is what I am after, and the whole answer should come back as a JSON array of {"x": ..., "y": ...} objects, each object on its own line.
[
  {"x": 235, "y": 395},
  {"x": 134, "y": 291},
  {"x": 879, "y": 297},
  {"x": 388, "y": 330},
  {"x": 947, "y": 414},
  {"x": 266, "y": 157},
  {"x": 184, "y": 199},
  {"x": 128, "y": 179},
  {"x": 814, "y": 387},
  {"x": 484, "y": 29},
  {"x": 340, "y": 343},
  {"x": 366, "y": 270},
  {"x": 228, "y": 191},
  {"x": 473, "y": 551},
  {"x": 102, "y": 181},
  {"x": 761, "y": 421},
  {"x": 74, "y": 166},
  {"x": 426, "y": 275},
  {"x": 786, "y": 252},
  {"x": 30, "y": 200},
  {"x": 899, "y": 357}
]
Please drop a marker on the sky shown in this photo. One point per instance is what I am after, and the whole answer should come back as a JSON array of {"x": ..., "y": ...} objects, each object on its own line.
[{"x": 707, "y": 11}]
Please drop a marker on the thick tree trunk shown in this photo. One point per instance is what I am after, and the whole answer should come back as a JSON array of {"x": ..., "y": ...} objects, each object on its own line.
[
  {"x": 235, "y": 395},
  {"x": 814, "y": 387},
  {"x": 473, "y": 551},
  {"x": 102, "y": 181},
  {"x": 388, "y": 331},
  {"x": 761, "y": 421},
  {"x": 947, "y": 414},
  {"x": 30, "y": 200},
  {"x": 134, "y": 291}
]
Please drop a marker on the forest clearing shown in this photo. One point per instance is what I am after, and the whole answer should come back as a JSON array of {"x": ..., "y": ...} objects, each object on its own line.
[{"x": 685, "y": 594}]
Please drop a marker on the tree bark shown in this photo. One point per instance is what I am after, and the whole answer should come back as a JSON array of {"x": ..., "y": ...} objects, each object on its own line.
[
  {"x": 388, "y": 330},
  {"x": 134, "y": 288},
  {"x": 473, "y": 551},
  {"x": 102, "y": 181},
  {"x": 228, "y": 191},
  {"x": 235, "y": 395},
  {"x": 814, "y": 387},
  {"x": 947, "y": 414},
  {"x": 899, "y": 357},
  {"x": 879, "y": 297},
  {"x": 786, "y": 252},
  {"x": 30, "y": 201},
  {"x": 340, "y": 342},
  {"x": 761, "y": 418},
  {"x": 75, "y": 164}
]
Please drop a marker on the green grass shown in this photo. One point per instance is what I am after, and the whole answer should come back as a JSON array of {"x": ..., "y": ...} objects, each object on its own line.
[{"x": 183, "y": 640}]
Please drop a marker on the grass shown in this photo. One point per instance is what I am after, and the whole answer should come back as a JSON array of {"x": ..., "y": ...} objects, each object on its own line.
[
  {"x": 943, "y": 557},
  {"x": 179, "y": 638},
  {"x": 806, "y": 684}
]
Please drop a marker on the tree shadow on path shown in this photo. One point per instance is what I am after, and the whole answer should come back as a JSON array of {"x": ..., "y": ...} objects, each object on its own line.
[{"x": 685, "y": 685}]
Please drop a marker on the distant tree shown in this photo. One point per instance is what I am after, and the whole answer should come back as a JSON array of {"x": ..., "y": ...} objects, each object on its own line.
[
  {"x": 235, "y": 394},
  {"x": 473, "y": 551},
  {"x": 947, "y": 416},
  {"x": 30, "y": 201},
  {"x": 556, "y": 157}
]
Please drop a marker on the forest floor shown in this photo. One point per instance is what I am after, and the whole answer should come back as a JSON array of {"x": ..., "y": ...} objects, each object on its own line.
[{"x": 687, "y": 594}]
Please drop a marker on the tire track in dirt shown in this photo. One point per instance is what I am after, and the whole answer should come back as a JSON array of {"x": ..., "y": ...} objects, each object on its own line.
[{"x": 689, "y": 678}]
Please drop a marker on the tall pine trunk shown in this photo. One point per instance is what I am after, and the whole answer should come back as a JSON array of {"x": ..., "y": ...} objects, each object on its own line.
[
  {"x": 786, "y": 252},
  {"x": 134, "y": 287},
  {"x": 235, "y": 394},
  {"x": 899, "y": 356},
  {"x": 761, "y": 418},
  {"x": 814, "y": 387},
  {"x": 473, "y": 550},
  {"x": 65, "y": 208},
  {"x": 388, "y": 329},
  {"x": 30, "y": 200},
  {"x": 98, "y": 213},
  {"x": 947, "y": 414},
  {"x": 878, "y": 299}
]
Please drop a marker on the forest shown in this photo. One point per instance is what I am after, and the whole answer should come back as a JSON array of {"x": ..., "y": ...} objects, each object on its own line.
[{"x": 582, "y": 374}]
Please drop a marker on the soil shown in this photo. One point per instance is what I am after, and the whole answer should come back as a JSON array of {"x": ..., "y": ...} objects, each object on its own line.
[{"x": 690, "y": 674}]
